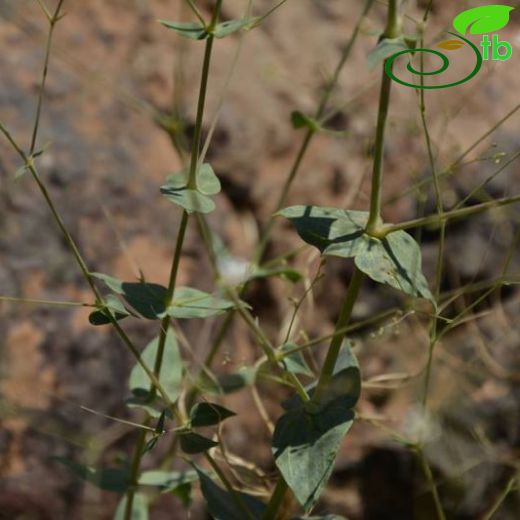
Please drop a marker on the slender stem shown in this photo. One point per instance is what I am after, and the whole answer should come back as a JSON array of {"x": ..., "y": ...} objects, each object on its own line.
[
  {"x": 195, "y": 149},
  {"x": 393, "y": 28},
  {"x": 276, "y": 500},
  {"x": 15, "y": 299},
  {"x": 337, "y": 339},
  {"x": 262, "y": 245},
  {"x": 431, "y": 483},
  {"x": 134, "y": 472},
  {"x": 235, "y": 496},
  {"x": 196, "y": 12},
  {"x": 377, "y": 173},
  {"x": 165, "y": 322},
  {"x": 451, "y": 168},
  {"x": 59, "y": 221},
  {"x": 71, "y": 244},
  {"x": 309, "y": 135},
  {"x": 500, "y": 499},
  {"x": 450, "y": 215},
  {"x": 52, "y": 21},
  {"x": 357, "y": 277}
]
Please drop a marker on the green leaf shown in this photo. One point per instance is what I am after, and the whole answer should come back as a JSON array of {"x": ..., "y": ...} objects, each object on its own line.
[
  {"x": 207, "y": 182},
  {"x": 139, "y": 508},
  {"x": 222, "y": 506},
  {"x": 229, "y": 27},
  {"x": 344, "y": 386},
  {"x": 305, "y": 445},
  {"x": 384, "y": 49},
  {"x": 193, "y": 443},
  {"x": 483, "y": 19},
  {"x": 323, "y": 226},
  {"x": 148, "y": 299},
  {"x": 394, "y": 260},
  {"x": 159, "y": 427},
  {"x": 112, "y": 283},
  {"x": 192, "y": 303},
  {"x": 171, "y": 371},
  {"x": 190, "y": 200},
  {"x": 208, "y": 414},
  {"x": 150, "y": 444},
  {"x": 308, "y": 436},
  {"x": 176, "y": 189},
  {"x": 300, "y": 120},
  {"x": 20, "y": 172},
  {"x": 294, "y": 362},
  {"x": 113, "y": 307},
  {"x": 190, "y": 30},
  {"x": 116, "y": 480},
  {"x": 167, "y": 481}
]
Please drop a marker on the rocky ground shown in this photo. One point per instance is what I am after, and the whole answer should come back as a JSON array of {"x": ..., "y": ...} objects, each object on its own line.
[{"x": 111, "y": 79}]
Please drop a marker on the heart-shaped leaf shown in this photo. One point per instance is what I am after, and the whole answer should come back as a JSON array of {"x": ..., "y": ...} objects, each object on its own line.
[
  {"x": 171, "y": 373},
  {"x": 384, "y": 49},
  {"x": 394, "y": 260},
  {"x": 307, "y": 437},
  {"x": 193, "y": 443},
  {"x": 192, "y": 303},
  {"x": 113, "y": 308},
  {"x": 190, "y": 30},
  {"x": 148, "y": 299},
  {"x": 483, "y": 19},
  {"x": 208, "y": 414},
  {"x": 191, "y": 200},
  {"x": 294, "y": 362},
  {"x": 228, "y": 27}
]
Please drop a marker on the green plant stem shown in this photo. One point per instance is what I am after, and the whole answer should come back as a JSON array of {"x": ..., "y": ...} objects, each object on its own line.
[
  {"x": 337, "y": 339},
  {"x": 431, "y": 483},
  {"x": 391, "y": 31},
  {"x": 15, "y": 299},
  {"x": 276, "y": 500},
  {"x": 59, "y": 221},
  {"x": 234, "y": 495},
  {"x": 192, "y": 181},
  {"x": 52, "y": 22},
  {"x": 451, "y": 168},
  {"x": 500, "y": 499},
  {"x": 377, "y": 173},
  {"x": 71, "y": 244},
  {"x": 451, "y": 215},
  {"x": 262, "y": 246},
  {"x": 135, "y": 470},
  {"x": 309, "y": 135}
]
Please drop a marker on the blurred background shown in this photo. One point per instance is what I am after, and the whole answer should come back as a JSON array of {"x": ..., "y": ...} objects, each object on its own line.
[{"x": 116, "y": 79}]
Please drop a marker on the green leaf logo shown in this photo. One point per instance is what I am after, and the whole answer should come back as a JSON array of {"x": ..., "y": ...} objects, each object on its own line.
[{"x": 481, "y": 20}]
